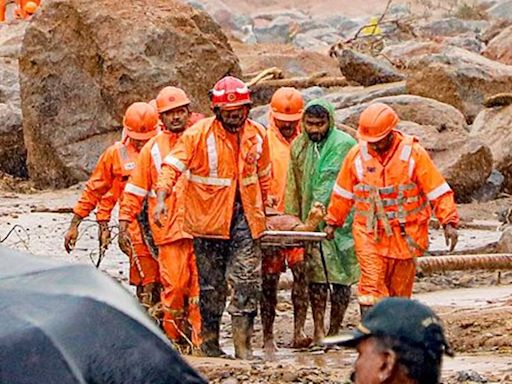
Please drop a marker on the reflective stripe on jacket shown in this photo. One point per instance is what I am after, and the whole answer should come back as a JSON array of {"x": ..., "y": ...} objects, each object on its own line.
[
  {"x": 142, "y": 183},
  {"x": 215, "y": 172},
  {"x": 111, "y": 174},
  {"x": 392, "y": 198}
]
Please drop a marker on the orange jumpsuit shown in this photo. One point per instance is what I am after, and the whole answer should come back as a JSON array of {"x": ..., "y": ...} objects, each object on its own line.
[
  {"x": 275, "y": 262},
  {"x": 178, "y": 270},
  {"x": 3, "y": 6},
  {"x": 104, "y": 188},
  {"x": 215, "y": 176},
  {"x": 392, "y": 197}
]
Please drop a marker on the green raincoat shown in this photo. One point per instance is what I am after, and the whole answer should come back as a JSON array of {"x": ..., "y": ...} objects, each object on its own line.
[{"x": 311, "y": 176}]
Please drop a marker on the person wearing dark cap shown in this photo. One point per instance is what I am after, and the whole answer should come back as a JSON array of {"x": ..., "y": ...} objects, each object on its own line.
[{"x": 399, "y": 341}]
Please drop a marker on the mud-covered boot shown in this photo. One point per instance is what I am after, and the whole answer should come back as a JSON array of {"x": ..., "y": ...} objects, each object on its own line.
[
  {"x": 242, "y": 327},
  {"x": 364, "y": 310},
  {"x": 210, "y": 346}
]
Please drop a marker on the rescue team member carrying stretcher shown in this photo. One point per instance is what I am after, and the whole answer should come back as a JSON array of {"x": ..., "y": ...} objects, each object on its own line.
[
  {"x": 178, "y": 271},
  {"x": 107, "y": 183},
  {"x": 227, "y": 162},
  {"x": 392, "y": 183}
]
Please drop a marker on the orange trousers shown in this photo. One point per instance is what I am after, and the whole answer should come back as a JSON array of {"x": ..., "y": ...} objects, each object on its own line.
[
  {"x": 143, "y": 266},
  {"x": 3, "y": 5},
  {"x": 180, "y": 294},
  {"x": 274, "y": 262},
  {"x": 383, "y": 277}
]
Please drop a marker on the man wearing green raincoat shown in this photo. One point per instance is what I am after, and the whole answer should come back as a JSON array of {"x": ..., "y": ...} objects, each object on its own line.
[{"x": 316, "y": 158}]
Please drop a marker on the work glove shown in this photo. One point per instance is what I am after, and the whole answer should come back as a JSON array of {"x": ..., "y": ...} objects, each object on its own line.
[
  {"x": 124, "y": 240},
  {"x": 103, "y": 235},
  {"x": 451, "y": 236},
  {"x": 72, "y": 233}
]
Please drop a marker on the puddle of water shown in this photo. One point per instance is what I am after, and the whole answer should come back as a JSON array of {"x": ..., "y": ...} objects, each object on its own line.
[{"x": 467, "y": 297}]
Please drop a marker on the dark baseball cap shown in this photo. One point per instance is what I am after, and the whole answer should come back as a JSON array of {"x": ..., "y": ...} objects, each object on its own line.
[{"x": 404, "y": 319}]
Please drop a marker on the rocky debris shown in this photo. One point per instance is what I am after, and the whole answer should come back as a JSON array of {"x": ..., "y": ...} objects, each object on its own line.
[
  {"x": 492, "y": 126},
  {"x": 492, "y": 187},
  {"x": 495, "y": 29},
  {"x": 505, "y": 242},
  {"x": 443, "y": 118},
  {"x": 351, "y": 96},
  {"x": 500, "y": 47},
  {"x": 468, "y": 41},
  {"x": 292, "y": 61},
  {"x": 366, "y": 70},
  {"x": 452, "y": 26},
  {"x": 11, "y": 37},
  {"x": 442, "y": 131},
  {"x": 79, "y": 71},
  {"x": 502, "y": 10},
  {"x": 402, "y": 53},
  {"x": 12, "y": 147},
  {"x": 462, "y": 78}
]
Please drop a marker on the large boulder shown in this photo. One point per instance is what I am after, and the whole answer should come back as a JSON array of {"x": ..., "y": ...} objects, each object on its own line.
[
  {"x": 83, "y": 63},
  {"x": 452, "y": 26},
  {"x": 366, "y": 70},
  {"x": 11, "y": 37},
  {"x": 459, "y": 78},
  {"x": 500, "y": 48},
  {"x": 349, "y": 96},
  {"x": 466, "y": 163},
  {"x": 502, "y": 10},
  {"x": 493, "y": 127},
  {"x": 12, "y": 147}
]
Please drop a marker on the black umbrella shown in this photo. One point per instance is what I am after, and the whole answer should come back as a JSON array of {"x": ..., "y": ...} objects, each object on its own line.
[{"x": 68, "y": 323}]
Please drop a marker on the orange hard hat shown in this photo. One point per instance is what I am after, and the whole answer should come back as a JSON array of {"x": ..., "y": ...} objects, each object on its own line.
[
  {"x": 30, "y": 7},
  {"x": 376, "y": 122},
  {"x": 287, "y": 104},
  {"x": 171, "y": 97},
  {"x": 140, "y": 121}
]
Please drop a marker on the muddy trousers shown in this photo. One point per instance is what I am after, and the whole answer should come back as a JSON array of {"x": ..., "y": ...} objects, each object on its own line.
[
  {"x": 236, "y": 262},
  {"x": 180, "y": 293}
]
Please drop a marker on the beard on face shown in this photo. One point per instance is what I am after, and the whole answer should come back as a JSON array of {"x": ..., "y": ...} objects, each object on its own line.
[
  {"x": 231, "y": 125},
  {"x": 316, "y": 137}
]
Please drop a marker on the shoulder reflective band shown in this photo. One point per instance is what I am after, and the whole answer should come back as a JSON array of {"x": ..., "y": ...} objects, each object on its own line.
[{"x": 137, "y": 191}]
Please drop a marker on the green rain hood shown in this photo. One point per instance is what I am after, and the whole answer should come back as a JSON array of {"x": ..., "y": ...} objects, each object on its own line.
[{"x": 312, "y": 173}]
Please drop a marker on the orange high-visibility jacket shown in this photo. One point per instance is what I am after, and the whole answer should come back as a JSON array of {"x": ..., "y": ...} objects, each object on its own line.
[
  {"x": 215, "y": 173},
  {"x": 142, "y": 183},
  {"x": 280, "y": 157},
  {"x": 391, "y": 198},
  {"x": 111, "y": 174}
]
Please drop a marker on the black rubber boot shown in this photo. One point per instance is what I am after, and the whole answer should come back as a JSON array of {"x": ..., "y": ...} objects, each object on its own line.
[{"x": 210, "y": 346}]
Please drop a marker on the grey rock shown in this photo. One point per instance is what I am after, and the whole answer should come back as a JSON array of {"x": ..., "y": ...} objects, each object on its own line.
[
  {"x": 277, "y": 31},
  {"x": 365, "y": 69},
  {"x": 468, "y": 41},
  {"x": 348, "y": 98},
  {"x": 502, "y": 10},
  {"x": 312, "y": 93},
  {"x": 492, "y": 187},
  {"x": 452, "y": 26}
]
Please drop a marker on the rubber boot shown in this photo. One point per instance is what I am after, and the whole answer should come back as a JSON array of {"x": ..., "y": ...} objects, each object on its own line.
[
  {"x": 210, "y": 347},
  {"x": 242, "y": 327},
  {"x": 364, "y": 310}
]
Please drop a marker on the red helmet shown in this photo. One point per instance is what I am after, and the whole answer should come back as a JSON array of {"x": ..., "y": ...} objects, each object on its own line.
[{"x": 230, "y": 92}]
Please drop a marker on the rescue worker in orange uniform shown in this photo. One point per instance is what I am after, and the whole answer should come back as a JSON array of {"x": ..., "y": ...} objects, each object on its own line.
[
  {"x": 227, "y": 161},
  {"x": 286, "y": 108},
  {"x": 178, "y": 271},
  {"x": 392, "y": 183},
  {"x": 110, "y": 176}
]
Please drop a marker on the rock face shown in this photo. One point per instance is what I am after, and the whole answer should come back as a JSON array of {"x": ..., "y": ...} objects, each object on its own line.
[
  {"x": 466, "y": 163},
  {"x": 347, "y": 98},
  {"x": 502, "y": 9},
  {"x": 12, "y": 147},
  {"x": 365, "y": 69},
  {"x": 493, "y": 127},
  {"x": 459, "y": 78},
  {"x": 80, "y": 69},
  {"x": 500, "y": 48},
  {"x": 452, "y": 26}
]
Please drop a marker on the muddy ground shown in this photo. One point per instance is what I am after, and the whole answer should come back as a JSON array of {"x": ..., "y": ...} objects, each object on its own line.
[{"x": 475, "y": 306}]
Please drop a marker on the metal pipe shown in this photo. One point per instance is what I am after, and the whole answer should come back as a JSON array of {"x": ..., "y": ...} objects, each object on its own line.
[{"x": 490, "y": 262}]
